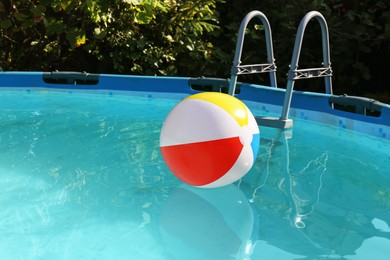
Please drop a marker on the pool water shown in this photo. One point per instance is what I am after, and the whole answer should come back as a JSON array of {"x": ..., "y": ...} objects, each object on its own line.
[{"x": 82, "y": 176}]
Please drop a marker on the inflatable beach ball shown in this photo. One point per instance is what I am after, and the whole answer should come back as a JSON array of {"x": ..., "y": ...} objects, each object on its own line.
[{"x": 209, "y": 140}]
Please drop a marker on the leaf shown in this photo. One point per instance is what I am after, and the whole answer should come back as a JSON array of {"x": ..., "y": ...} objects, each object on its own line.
[
  {"x": 54, "y": 27},
  {"x": 150, "y": 4},
  {"x": 20, "y": 16},
  {"x": 99, "y": 33},
  {"x": 65, "y": 4},
  {"x": 80, "y": 40},
  {"x": 132, "y": 2},
  {"x": 50, "y": 47},
  {"x": 144, "y": 17},
  {"x": 76, "y": 38},
  {"x": 169, "y": 38}
]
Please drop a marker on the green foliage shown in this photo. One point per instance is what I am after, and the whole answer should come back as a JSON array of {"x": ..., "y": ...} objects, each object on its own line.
[
  {"x": 122, "y": 36},
  {"x": 194, "y": 38}
]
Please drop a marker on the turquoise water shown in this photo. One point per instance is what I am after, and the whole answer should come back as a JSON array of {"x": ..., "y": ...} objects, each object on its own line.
[{"x": 81, "y": 176}]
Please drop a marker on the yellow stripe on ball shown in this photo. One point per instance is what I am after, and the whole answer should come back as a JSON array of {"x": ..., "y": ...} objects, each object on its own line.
[{"x": 228, "y": 103}]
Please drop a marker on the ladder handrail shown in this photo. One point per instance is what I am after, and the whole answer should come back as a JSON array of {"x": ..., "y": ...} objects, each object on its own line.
[
  {"x": 256, "y": 68},
  {"x": 295, "y": 73}
]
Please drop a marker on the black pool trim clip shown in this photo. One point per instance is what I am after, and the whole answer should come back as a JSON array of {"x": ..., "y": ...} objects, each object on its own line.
[
  {"x": 70, "y": 78},
  {"x": 212, "y": 84},
  {"x": 357, "y": 105}
]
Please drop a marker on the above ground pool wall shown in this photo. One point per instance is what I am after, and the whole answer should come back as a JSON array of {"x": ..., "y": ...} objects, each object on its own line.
[
  {"x": 80, "y": 81},
  {"x": 311, "y": 101},
  {"x": 319, "y": 107},
  {"x": 305, "y": 105}
]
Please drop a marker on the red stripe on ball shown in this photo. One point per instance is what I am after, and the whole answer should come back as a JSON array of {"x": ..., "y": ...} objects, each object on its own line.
[{"x": 202, "y": 163}]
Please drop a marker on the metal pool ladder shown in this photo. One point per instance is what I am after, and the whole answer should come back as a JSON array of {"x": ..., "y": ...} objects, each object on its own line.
[
  {"x": 239, "y": 69},
  {"x": 283, "y": 122}
]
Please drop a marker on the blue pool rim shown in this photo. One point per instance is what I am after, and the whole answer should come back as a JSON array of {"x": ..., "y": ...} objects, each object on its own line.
[{"x": 311, "y": 106}]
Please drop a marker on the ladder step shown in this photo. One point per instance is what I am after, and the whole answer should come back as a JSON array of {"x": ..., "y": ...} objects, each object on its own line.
[
  {"x": 254, "y": 68},
  {"x": 309, "y": 73},
  {"x": 274, "y": 122}
]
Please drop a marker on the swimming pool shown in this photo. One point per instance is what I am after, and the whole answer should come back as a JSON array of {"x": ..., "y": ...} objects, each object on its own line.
[{"x": 82, "y": 176}]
